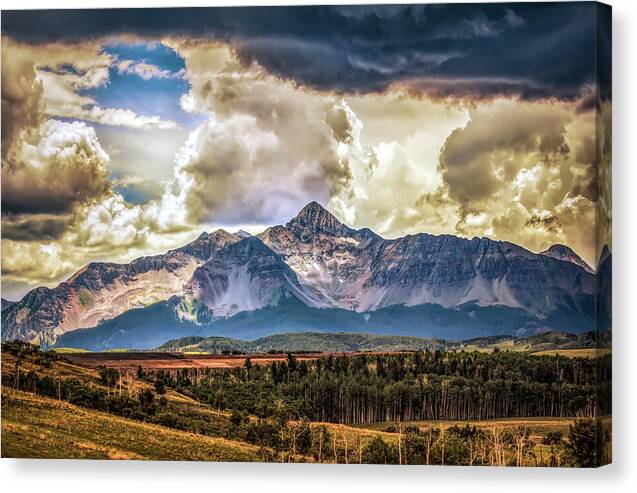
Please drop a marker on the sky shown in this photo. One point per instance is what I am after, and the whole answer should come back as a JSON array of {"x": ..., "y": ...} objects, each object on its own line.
[{"x": 128, "y": 132}]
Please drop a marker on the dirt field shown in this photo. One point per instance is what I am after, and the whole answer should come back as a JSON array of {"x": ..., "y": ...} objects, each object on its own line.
[{"x": 156, "y": 361}]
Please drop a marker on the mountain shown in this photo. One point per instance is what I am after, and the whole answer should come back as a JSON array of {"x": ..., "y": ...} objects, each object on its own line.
[
  {"x": 312, "y": 274},
  {"x": 562, "y": 252},
  {"x": 243, "y": 276},
  {"x": 6, "y": 304},
  {"x": 358, "y": 270},
  {"x": 103, "y": 290},
  {"x": 349, "y": 342},
  {"x": 149, "y": 327}
]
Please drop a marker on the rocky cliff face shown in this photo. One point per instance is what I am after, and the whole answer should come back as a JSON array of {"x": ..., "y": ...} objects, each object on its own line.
[
  {"x": 358, "y": 270},
  {"x": 101, "y": 291},
  {"x": 243, "y": 276},
  {"x": 331, "y": 260},
  {"x": 452, "y": 271}
]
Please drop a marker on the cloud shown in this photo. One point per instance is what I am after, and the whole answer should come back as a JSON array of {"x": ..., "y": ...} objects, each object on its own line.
[
  {"x": 53, "y": 168},
  {"x": 526, "y": 50},
  {"x": 487, "y": 152},
  {"x": 62, "y": 99},
  {"x": 34, "y": 262},
  {"x": 110, "y": 222},
  {"x": 115, "y": 117},
  {"x": 145, "y": 70},
  {"x": 266, "y": 149},
  {"x": 47, "y": 80},
  {"x": 529, "y": 170},
  {"x": 390, "y": 177},
  {"x": 59, "y": 207},
  {"x": 27, "y": 264},
  {"x": 603, "y": 160},
  {"x": 35, "y": 227},
  {"x": 521, "y": 172}
]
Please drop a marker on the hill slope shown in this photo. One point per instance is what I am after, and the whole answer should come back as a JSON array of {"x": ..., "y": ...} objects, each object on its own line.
[
  {"x": 40, "y": 427},
  {"x": 347, "y": 342}
]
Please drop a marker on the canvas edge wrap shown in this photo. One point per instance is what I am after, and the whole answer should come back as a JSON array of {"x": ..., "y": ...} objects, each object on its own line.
[{"x": 603, "y": 221}]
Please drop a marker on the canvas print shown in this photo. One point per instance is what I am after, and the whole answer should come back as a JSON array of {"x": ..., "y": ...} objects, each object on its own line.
[{"x": 331, "y": 234}]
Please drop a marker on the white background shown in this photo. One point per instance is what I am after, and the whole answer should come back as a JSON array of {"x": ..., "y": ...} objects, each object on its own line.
[{"x": 49, "y": 476}]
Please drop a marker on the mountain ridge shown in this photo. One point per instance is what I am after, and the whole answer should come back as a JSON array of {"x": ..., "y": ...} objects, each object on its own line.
[
  {"x": 325, "y": 265},
  {"x": 104, "y": 290},
  {"x": 357, "y": 342},
  {"x": 565, "y": 253}
]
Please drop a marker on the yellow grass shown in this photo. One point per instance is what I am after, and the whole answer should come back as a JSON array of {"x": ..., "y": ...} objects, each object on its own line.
[
  {"x": 39, "y": 427},
  {"x": 538, "y": 425},
  {"x": 69, "y": 350},
  {"x": 575, "y": 353}
]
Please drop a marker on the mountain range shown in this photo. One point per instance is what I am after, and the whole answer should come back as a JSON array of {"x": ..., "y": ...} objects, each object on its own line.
[{"x": 312, "y": 274}]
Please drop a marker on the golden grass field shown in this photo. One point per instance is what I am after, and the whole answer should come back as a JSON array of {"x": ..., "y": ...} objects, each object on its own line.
[
  {"x": 39, "y": 427},
  {"x": 575, "y": 353},
  {"x": 535, "y": 425}
]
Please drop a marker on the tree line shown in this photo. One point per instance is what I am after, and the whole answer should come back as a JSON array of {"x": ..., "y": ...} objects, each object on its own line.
[{"x": 429, "y": 385}]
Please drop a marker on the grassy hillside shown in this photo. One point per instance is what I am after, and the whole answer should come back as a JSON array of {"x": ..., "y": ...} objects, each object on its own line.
[
  {"x": 40, "y": 427},
  {"x": 305, "y": 341},
  {"x": 182, "y": 428},
  {"x": 353, "y": 342}
]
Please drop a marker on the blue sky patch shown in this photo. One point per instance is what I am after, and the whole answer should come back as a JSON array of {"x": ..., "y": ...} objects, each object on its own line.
[{"x": 156, "y": 96}]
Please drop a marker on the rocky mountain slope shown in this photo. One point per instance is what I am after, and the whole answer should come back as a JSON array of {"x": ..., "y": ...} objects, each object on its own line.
[
  {"x": 358, "y": 270},
  {"x": 103, "y": 290},
  {"x": 562, "y": 252},
  {"x": 604, "y": 301},
  {"x": 314, "y": 273},
  {"x": 6, "y": 304},
  {"x": 243, "y": 276}
]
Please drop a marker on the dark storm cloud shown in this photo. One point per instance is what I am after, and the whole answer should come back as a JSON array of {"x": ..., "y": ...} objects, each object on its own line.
[
  {"x": 34, "y": 227},
  {"x": 526, "y": 50},
  {"x": 549, "y": 222}
]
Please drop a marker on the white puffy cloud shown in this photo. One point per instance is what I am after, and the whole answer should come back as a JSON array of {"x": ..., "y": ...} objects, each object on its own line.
[
  {"x": 395, "y": 142},
  {"x": 266, "y": 149},
  {"x": 53, "y": 168},
  {"x": 34, "y": 263},
  {"x": 145, "y": 70},
  {"x": 61, "y": 99},
  {"x": 110, "y": 221}
]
